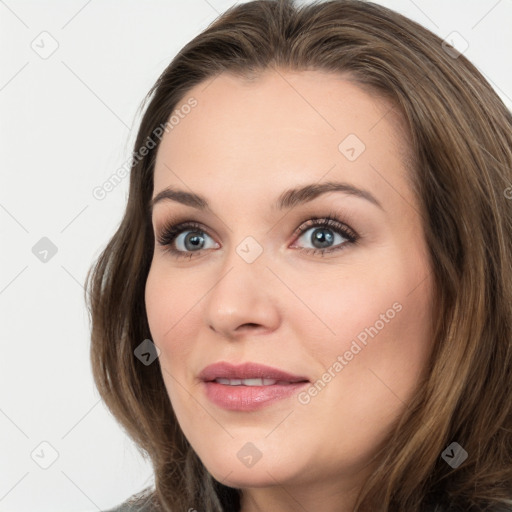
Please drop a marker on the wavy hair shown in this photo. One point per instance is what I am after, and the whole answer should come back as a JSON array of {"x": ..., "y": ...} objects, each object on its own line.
[{"x": 461, "y": 170}]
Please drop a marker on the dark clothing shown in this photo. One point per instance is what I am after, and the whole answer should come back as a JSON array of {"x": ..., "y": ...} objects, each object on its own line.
[{"x": 143, "y": 503}]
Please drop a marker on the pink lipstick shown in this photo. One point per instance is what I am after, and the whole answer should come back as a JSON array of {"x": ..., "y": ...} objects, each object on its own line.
[{"x": 249, "y": 386}]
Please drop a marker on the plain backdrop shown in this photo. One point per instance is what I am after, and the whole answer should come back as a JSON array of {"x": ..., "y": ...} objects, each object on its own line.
[{"x": 72, "y": 77}]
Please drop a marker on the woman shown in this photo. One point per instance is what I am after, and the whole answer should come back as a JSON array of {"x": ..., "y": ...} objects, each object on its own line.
[{"x": 307, "y": 305}]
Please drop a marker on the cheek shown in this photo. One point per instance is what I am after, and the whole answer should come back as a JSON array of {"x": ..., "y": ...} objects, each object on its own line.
[
  {"x": 372, "y": 320},
  {"x": 373, "y": 364},
  {"x": 345, "y": 306},
  {"x": 169, "y": 302},
  {"x": 172, "y": 307},
  {"x": 169, "y": 310}
]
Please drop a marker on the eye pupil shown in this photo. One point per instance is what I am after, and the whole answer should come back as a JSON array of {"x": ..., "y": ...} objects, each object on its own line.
[
  {"x": 196, "y": 240},
  {"x": 323, "y": 236}
]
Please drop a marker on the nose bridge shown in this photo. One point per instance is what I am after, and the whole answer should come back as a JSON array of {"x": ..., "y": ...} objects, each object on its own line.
[
  {"x": 242, "y": 294},
  {"x": 246, "y": 253}
]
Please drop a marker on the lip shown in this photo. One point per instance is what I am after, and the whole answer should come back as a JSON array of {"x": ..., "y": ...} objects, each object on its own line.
[
  {"x": 223, "y": 370},
  {"x": 248, "y": 398}
]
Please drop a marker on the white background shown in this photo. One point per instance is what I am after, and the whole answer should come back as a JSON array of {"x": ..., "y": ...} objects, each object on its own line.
[{"x": 68, "y": 122}]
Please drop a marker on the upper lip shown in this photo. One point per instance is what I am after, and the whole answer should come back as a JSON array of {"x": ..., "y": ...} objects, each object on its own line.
[{"x": 224, "y": 370}]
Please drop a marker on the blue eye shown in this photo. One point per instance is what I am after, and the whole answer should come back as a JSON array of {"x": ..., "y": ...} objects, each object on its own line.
[
  {"x": 192, "y": 240},
  {"x": 328, "y": 234},
  {"x": 183, "y": 240}
]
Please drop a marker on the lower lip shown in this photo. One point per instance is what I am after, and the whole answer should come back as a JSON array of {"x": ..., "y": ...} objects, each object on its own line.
[{"x": 249, "y": 398}]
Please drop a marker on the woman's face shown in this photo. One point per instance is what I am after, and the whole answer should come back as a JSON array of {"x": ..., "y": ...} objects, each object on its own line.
[{"x": 343, "y": 307}]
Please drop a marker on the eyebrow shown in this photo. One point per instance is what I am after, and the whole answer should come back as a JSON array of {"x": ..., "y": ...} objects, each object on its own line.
[{"x": 287, "y": 200}]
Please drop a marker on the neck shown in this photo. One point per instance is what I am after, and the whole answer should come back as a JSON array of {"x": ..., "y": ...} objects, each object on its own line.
[{"x": 327, "y": 497}]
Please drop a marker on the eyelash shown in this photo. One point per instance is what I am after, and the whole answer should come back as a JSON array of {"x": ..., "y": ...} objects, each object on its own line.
[{"x": 171, "y": 231}]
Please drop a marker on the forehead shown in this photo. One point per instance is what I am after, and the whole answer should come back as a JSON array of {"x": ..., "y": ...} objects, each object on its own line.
[{"x": 282, "y": 126}]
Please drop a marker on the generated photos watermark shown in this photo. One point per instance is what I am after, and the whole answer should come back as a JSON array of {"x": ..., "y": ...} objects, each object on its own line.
[
  {"x": 343, "y": 360},
  {"x": 101, "y": 191}
]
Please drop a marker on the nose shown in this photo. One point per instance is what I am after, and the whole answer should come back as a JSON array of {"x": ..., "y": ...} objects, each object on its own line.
[{"x": 243, "y": 300}]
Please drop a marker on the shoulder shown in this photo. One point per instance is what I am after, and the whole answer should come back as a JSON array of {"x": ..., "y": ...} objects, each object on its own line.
[{"x": 141, "y": 502}]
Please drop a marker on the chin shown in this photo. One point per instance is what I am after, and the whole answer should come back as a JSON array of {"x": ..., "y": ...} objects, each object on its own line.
[
  {"x": 265, "y": 472},
  {"x": 244, "y": 478}
]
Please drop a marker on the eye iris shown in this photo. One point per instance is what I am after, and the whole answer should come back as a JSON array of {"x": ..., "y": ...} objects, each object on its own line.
[
  {"x": 196, "y": 240},
  {"x": 323, "y": 236}
]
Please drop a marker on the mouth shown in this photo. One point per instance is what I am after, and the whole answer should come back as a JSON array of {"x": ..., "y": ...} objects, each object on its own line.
[
  {"x": 252, "y": 382},
  {"x": 249, "y": 386},
  {"x": 248, "y": 374}
]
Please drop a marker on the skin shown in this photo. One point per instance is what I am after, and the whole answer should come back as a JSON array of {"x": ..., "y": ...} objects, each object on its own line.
[{"x": 243, "y": 145}]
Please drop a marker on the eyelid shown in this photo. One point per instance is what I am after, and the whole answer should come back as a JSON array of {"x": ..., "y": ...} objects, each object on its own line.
[
  {"x": 172, "y": 228},
  {"x": 328, "y": 221},
  {"x": 180, "y": 219}
]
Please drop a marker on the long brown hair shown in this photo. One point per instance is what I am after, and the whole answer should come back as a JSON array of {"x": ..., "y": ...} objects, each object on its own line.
[{"x": 461, "y": 170}]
